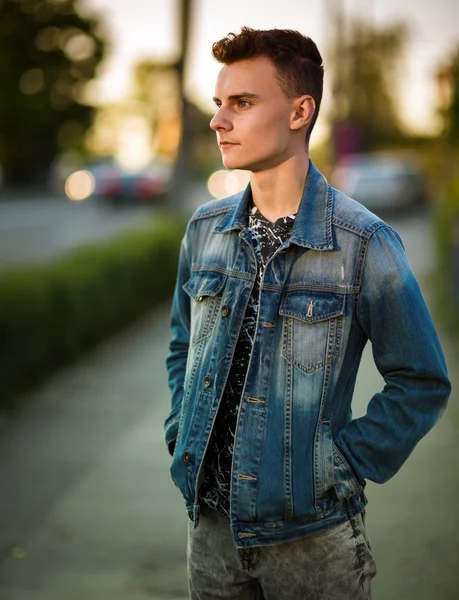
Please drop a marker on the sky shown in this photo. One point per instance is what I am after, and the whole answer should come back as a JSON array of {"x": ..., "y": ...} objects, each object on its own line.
[{"x": 140, "y": 29}]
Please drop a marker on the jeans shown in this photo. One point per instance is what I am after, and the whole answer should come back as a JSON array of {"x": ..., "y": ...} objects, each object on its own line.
[{"x": 334, "y": 564}]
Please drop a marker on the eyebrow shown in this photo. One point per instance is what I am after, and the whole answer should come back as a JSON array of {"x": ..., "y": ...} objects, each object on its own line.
[{"x": 238, "y": 96}]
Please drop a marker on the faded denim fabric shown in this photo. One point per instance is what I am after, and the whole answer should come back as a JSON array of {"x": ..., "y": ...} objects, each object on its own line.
[
  {"x": 300, "y": 460},
  {"x": 335, "y": 564}
]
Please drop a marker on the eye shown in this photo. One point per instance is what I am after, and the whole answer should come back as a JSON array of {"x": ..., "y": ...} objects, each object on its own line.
[{"x": 243, "y": 103}]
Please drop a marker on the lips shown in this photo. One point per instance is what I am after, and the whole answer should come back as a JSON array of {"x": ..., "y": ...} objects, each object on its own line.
[{"x": 227, "y": 144}]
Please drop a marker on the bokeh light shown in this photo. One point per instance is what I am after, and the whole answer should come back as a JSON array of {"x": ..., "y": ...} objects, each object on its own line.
[
  {"x": 32, "y": 82},
  {"x": 79, "y": 47},
  {"x": 47, "y": 39},
  {"x": 134, "y": 144},
  {"x": 225, "y": 183},
  {"x": 80, "y": 185}
]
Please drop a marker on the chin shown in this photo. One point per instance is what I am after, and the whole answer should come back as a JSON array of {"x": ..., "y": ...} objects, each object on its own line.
[
  {"x": 233, "y": 164},
  {"x": 253, "y": 164}
]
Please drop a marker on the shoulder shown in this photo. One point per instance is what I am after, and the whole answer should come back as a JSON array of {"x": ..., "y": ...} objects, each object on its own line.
[
  {"x": 214, "y": 208},
  {"x": 351, "y": 215}
]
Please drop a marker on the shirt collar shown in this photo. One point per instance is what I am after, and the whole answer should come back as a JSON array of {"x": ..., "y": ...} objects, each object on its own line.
[
  {"x": 254, "y": 213},
  {"x": 313, "y": 223}
]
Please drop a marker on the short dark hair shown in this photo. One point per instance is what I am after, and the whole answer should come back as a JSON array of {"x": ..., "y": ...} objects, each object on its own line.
[{"x": 295, "y": 56}]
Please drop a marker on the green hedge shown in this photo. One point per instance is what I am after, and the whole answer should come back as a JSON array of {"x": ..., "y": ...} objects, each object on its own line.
[
  {"x": 447, "y": 237},
  {"x": 52, "y": 313}
]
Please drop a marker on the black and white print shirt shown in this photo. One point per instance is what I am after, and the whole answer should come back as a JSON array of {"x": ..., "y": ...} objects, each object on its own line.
[{"x": 215, "y": 488}]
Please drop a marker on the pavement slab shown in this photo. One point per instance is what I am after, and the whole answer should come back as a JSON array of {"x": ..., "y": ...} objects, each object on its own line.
[{"x": 91, "y": 510}]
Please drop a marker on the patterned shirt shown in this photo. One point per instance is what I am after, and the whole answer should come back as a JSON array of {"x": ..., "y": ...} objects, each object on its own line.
[{"x": 216, "y": 485}]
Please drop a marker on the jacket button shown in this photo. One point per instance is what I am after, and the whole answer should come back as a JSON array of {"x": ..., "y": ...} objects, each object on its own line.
[
  {"x": 225, "y": 310},
  {"x": 186, "y": 456},
  {"x": 207, "y": 382}
]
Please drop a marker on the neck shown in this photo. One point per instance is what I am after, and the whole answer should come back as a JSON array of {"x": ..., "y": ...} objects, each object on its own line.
[{"x": 277, "y": 192}]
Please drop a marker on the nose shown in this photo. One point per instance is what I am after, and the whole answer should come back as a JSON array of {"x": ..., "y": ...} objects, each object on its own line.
[{"x": 220, "y": 121}]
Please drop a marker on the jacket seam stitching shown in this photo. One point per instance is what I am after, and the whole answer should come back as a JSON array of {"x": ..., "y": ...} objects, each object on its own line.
[
  {"x": 366, "y": 233},
  {"x": 223, "y": 271},
  {"x": 212, "y": 213},
  {"x": 361, "y": 266},
  {"x": 311, "y": 287}
]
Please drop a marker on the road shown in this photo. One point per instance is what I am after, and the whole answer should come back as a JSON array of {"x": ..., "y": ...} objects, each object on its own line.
[
  {"x": 88, "y": 510},
  {"x": 36, "y": 229}
]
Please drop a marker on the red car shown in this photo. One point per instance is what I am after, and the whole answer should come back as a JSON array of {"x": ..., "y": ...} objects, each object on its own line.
[{"x": 119, "y": 186}]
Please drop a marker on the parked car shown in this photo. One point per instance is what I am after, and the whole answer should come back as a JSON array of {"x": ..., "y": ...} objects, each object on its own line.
[
  {"x": 119, "y": 186},
  {"x": 383, "y": 182}
]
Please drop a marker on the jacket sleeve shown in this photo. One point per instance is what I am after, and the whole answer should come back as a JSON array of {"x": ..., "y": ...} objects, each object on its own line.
[
  {"x": 178, "y": 347},
  {"x": 407, "y": 353}
]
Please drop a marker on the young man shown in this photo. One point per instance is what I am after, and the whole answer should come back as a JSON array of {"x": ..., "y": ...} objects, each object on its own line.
[{"x": 279, "y": 288}]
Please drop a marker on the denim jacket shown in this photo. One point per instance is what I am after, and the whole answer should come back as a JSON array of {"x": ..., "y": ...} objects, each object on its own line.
[{"x": 300, "y": 460}]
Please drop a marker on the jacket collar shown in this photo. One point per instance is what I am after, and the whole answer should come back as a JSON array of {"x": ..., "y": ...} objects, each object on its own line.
[{"x": 313, "y": 223}]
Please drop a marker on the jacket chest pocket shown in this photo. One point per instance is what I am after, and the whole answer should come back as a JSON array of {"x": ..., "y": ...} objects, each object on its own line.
[
  {"x": 312, "y": 328},
  {"x": 205, "y": 289}
]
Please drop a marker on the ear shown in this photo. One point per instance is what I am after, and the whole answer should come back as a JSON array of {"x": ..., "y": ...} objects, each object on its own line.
[{"x": 302, "y": 113}]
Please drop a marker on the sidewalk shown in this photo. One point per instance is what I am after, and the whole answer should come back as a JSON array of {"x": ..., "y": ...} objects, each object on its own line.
[{"x": 88, "y": 511}]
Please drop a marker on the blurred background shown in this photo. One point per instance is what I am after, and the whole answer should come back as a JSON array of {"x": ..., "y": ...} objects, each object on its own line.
[{"x": 105, "y": 151}]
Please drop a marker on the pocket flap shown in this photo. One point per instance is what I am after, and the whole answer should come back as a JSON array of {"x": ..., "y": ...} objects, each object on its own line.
[
  {"x": 204, "y": 283},
  {"x": 312, "y": 306}
]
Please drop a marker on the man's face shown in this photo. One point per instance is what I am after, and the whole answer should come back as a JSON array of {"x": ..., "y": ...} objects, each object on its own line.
[{"x": 253, "y": 116}]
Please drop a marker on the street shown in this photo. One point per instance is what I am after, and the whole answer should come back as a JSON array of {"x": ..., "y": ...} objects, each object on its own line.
[
  {"x": 35, "y": 230},
  {"x": 39, "y": 228},
  {"x": 88, "y": 510}
]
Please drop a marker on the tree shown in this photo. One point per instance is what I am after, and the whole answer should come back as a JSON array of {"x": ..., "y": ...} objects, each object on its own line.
[
  {"x": 48, "y": 53},
  {"x": 155, "y": 113},
  {"x": 448, "y": 84},
  {"x": 182, "y": 164},
  {"x": 365, "y": 68},
  {"x": 157, "y": 89}
]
